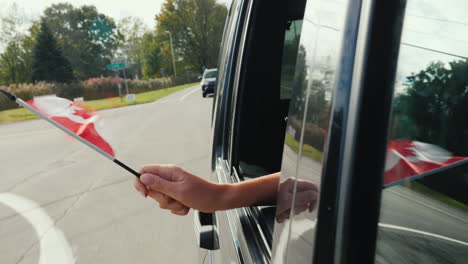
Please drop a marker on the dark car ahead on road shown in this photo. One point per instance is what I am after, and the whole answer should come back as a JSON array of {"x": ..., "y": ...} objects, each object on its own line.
[
  {"x": 208, "y": 81},
  {"x": 323, "y": 91}
]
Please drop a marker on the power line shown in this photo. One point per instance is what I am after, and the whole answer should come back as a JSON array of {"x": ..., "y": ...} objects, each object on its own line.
[
  {"x": 441, "y": 20},
  {"x": 433, "y": 35},
  {"x": 433, "y": 50}
]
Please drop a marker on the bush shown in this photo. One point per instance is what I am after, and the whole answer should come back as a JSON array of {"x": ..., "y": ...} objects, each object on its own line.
[
  {"x": 91, "y": 89},
  {"x": 26, "y": 92}
]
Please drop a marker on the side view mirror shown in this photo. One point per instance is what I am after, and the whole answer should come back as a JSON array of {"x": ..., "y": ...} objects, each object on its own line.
[{"x": 199, "y": 77}]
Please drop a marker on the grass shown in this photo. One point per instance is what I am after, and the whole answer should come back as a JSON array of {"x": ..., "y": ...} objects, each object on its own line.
[
  {"x": 307, "y": 150},
  {"x": 418, "y": 187},
  {"x": 21, "y": 114}
]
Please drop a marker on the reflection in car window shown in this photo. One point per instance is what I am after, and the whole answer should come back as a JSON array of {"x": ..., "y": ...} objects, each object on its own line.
[
  {"x": 291, "y": 45},
  {"x": 424, "y": 213},
  {"x": 315, "y": 68}
]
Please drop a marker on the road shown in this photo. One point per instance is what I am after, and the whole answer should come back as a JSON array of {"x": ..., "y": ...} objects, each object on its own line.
[{"x": 80, "y": 203}]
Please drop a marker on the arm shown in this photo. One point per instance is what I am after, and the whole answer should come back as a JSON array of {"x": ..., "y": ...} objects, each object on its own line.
[
  {"x": 178, "y": 190},
  {"x": 257, "y": 191}
]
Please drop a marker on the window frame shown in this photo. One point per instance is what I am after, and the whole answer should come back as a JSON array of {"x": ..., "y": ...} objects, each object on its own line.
[{"x": 359, "y": 181}]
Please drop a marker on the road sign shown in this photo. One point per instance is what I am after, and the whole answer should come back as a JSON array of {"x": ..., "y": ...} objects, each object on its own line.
[{"x": 116, "y": 66}]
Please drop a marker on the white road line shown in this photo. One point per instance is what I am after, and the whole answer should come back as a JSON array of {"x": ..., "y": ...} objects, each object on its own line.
[
  {"x": 54, "y": 247},
  {"x": 423, "y": 233},
  {"x": 196, "y": 88}
]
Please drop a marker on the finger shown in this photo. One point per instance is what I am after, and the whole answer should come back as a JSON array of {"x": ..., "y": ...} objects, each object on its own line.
[
  {"x": 168, "y": 172},
  {"x": 159, "y": 184},
  {"x": 306, "y": 185},
  {"x": 140, "y": 187},
  {"x": 282, "y": 217},
  {"x": 300, "y": 209},
  {"x": 166, "y": 202},
  {"x": 312, "y": 206},
  {"x": 306, "y": 197},
  {"x": 183, "y": 211}
]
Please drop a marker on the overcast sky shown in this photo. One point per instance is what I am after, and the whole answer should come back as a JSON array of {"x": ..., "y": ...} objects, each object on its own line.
[{"x": 117, "y": 9}]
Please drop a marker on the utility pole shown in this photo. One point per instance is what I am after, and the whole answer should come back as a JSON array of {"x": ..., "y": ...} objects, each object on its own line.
[{"x": 172, "y": 51}]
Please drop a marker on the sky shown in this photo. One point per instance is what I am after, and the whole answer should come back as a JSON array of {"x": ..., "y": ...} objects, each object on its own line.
[
  {"x": 117, "y": 9},
  {"x": 433, "y": 31}
]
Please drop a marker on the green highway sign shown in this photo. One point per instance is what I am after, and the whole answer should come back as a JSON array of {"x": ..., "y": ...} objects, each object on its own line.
[{"x": 116, "y": 66}]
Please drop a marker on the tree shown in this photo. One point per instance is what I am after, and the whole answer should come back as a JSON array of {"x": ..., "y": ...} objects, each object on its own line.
[
  {"x": 196, "y": 27},
  {"x": 89, "y": 39},
  {"x": 131, "y": 31},
  {"x": 15, "y": 60},
  {"x": 14, "y": 64},
  {"x": 152, "y": 59},
  {"x": 433, "y": 108},
  {"x": 48, "y": 62}
]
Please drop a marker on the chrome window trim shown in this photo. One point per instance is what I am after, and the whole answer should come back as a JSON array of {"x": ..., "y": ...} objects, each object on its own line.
[{"x": 235, "y": 86}]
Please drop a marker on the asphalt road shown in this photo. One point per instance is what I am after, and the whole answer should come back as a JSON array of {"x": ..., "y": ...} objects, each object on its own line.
[
  {"x": 74, "y": 206},
  {"x": 83, "y": 206}
]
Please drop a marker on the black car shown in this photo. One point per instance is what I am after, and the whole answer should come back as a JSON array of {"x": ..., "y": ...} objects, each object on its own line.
[
  {"x": 366, "y": 101},
  {"x": 208, "y": 81}
]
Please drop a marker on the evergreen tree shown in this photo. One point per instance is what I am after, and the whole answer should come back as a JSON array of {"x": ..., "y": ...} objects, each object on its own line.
[{"x": 48, "y": 62}]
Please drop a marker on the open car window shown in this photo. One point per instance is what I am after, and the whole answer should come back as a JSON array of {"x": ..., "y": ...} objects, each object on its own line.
[{"x": 263, "y": 95}]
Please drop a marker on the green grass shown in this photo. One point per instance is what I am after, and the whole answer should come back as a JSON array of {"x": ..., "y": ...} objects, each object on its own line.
[
  {"x": 307, "y": 150},
  {"x": 418, "y": 187},
  {"x": 21, "y": 114}
]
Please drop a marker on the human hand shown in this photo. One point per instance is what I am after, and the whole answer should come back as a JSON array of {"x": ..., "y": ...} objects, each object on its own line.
[
  {"x": 306, "y": 198},
  {"x": 178, "y": 190}
]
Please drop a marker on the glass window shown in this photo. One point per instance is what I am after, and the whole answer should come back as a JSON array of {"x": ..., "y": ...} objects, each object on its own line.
[
  {"x": 314, "y": 74},
  {"x": 210, "y": 74},
  {"x": 288, "y": 65},
  {"x": 424, "y": 212}
]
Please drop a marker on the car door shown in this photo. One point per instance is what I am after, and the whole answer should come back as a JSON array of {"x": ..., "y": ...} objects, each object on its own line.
[
  {"x": 207, "y": 226},
  {"x": 249, "y": 123}
]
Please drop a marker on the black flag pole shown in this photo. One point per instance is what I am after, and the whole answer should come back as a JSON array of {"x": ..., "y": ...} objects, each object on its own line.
[{"x": 17, "y": 100}]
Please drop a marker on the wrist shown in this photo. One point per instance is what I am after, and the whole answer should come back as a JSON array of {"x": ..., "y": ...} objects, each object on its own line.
[{"x": 228, "y": 195}]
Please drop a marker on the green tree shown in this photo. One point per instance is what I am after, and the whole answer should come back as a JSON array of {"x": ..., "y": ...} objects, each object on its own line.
[
  {"x": 433, "y": 108},
  {"x": 196, "y": 27},
  {"x": 89, "y": 39},
  {"x": 151, "y": 56},
  {"x": 15, "y": 59},
  {"x": 48, "y": 62},
  {"x": 131, "y": 31}
]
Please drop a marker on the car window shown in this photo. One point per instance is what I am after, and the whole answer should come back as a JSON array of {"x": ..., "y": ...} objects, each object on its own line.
[
  {"x": 291, "y": 45},
  {"x": 260, "y": 112},
  {"x": 210, "y": 74},
  {"x": 306, "y": 133},
  {"x": 251, "y": 166},
  {"x": 265, "y": 90},
  {"x": 424, "y": 210}
]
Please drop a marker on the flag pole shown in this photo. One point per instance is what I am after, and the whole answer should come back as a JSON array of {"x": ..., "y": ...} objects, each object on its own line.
[{"x": 70, "y": 133}]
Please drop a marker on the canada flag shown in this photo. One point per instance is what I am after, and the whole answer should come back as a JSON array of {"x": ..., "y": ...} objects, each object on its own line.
[
  {"x": 406, "y": 158},
  {"x": 69, "y": 114}
]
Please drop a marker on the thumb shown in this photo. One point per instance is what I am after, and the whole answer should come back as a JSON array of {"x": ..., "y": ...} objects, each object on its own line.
[{"x": 157, "y": 183}]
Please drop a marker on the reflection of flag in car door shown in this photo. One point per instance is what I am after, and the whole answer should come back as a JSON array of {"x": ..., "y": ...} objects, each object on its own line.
[
  {"x": 406, "y": 158},
  {"x": 76, "y": 119}
]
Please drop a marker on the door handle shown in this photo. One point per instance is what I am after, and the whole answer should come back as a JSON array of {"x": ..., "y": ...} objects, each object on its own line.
[{"x": 206, "y": 230}]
